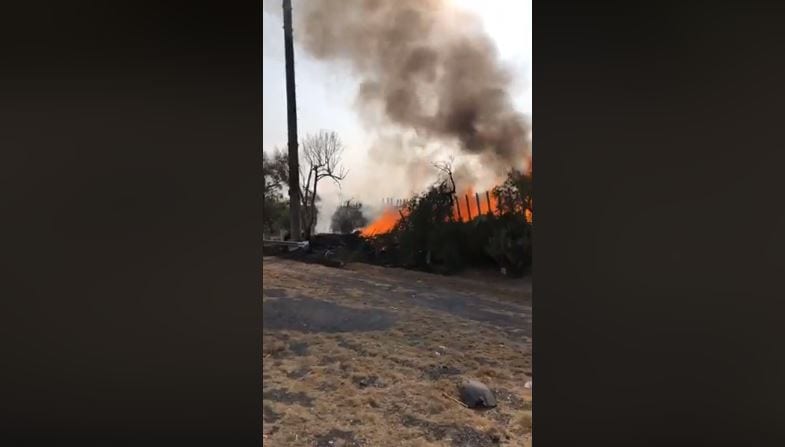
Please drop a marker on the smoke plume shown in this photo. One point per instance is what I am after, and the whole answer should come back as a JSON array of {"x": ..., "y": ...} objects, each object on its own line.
[{"x": 424, "y": 66}]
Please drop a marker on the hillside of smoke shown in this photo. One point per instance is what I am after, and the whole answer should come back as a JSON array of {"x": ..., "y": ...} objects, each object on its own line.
[{"x": 424, "y": 66}]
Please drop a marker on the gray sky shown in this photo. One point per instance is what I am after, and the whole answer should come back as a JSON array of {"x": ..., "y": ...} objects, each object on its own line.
[{"x": 326, "y": 94}]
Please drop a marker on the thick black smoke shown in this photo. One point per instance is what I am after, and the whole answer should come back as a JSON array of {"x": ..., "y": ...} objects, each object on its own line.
[{"x": 425, "y": 66}]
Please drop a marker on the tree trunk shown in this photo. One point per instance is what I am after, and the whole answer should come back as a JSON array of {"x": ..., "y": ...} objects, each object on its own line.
[
  {"x": 305, "y": 219},
  {"x": 312, "y": 220}
]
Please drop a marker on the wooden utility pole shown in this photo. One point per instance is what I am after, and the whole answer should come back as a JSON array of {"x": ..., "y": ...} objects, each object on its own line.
[{"x": 291, "y": 105}]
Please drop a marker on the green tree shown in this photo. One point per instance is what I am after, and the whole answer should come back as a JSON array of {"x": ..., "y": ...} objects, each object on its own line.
[
  {"x": 275, "y": 206},
  {"x": 426, "y": 230},
  {"x": 348, "y": 217},
  {"x": 510, "y": 242},
  {"x": 514, "y": 196}
]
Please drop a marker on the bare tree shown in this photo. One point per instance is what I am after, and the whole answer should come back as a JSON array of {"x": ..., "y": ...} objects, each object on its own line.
[
  {"x": 445, "y": 167},
  {"x": 322, "y": 153},
  {"x": 447, "y": 182}
]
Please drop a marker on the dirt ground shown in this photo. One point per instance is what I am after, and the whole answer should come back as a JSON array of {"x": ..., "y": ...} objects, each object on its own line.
[{"x": 370, "y": 356}]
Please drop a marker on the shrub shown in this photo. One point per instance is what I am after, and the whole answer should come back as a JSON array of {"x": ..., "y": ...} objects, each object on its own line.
[{"x": 347, "y": 218}]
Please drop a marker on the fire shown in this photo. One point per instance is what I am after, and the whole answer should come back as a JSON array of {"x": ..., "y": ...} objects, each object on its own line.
[
  {"x": 383, "y": 224},
  {"x": 461, "y": 211},
  {"x": 391, "y": 215},
  {"x": 488, "y": 204}
]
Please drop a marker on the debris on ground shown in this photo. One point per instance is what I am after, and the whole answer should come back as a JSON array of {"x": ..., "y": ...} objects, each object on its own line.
[
  {"x": 338, "y": 250},
  {"x": 331, "y": 250}
]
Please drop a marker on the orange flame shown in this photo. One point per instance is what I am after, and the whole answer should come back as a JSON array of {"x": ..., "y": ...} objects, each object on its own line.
[
  {"x": 488, "y": 205},
  {"x": 383, "y": 224},
  {"x": 390, "y": 216},
  {"x": 485, "y": 207}
]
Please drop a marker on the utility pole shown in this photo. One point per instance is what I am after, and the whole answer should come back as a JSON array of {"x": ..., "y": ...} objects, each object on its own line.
[{"x": 291, "y": 105}]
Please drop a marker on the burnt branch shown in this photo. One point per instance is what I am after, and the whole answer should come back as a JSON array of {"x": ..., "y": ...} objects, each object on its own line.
[{"x": 445, "y": 167}]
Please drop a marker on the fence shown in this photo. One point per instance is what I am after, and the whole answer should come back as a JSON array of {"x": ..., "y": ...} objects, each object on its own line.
[
  {"x": 469, "y": 211},
  {"x": 478, "y": 210}
]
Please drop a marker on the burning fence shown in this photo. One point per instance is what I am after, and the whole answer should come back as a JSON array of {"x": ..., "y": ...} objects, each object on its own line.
[
  {"x": 395, "y": 210},
  {"x": 476, "y": 205},
  {"x": 441, "y": 232},
  {"x": 426, "y": 68},
  {"x": 515, "y": 194},
  {"x": 467, "y": 207}
]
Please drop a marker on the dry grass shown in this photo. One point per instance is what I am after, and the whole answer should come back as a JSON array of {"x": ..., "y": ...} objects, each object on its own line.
[{"x": 386, "y": 388}]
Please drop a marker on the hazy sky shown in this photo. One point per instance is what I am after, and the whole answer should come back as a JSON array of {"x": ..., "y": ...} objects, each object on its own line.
[{"x": 326, "y": 93}]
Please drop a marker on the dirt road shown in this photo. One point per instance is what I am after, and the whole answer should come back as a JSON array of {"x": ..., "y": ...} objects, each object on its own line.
[{"x": 367, "y": 356}]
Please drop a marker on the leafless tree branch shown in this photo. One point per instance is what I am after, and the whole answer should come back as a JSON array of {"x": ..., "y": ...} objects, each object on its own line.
[
  {"x": 445, "y": 167},
  {"x": 322, "y": 152}
]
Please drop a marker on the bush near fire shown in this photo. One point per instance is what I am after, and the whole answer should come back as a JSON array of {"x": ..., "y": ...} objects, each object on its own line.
[{"x": 428, "y": 232}]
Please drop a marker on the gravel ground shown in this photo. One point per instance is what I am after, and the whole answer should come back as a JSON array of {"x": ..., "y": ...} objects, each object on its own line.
[{"x": 370, "y": 356}]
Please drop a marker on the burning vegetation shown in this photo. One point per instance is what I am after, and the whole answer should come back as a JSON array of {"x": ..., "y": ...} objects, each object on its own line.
[
  {"x": 435, "y": 232},
  {"x": 468, "y": 206},
  {"x": 515, "y": 194},
  {"x": 424, "y": 67},
  {"x": 384, "y": 223}
]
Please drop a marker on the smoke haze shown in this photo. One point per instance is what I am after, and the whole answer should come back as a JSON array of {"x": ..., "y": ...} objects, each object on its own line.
[
  {"x": 430, "y": 85},
  {"x": 424, "y": 66}
]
